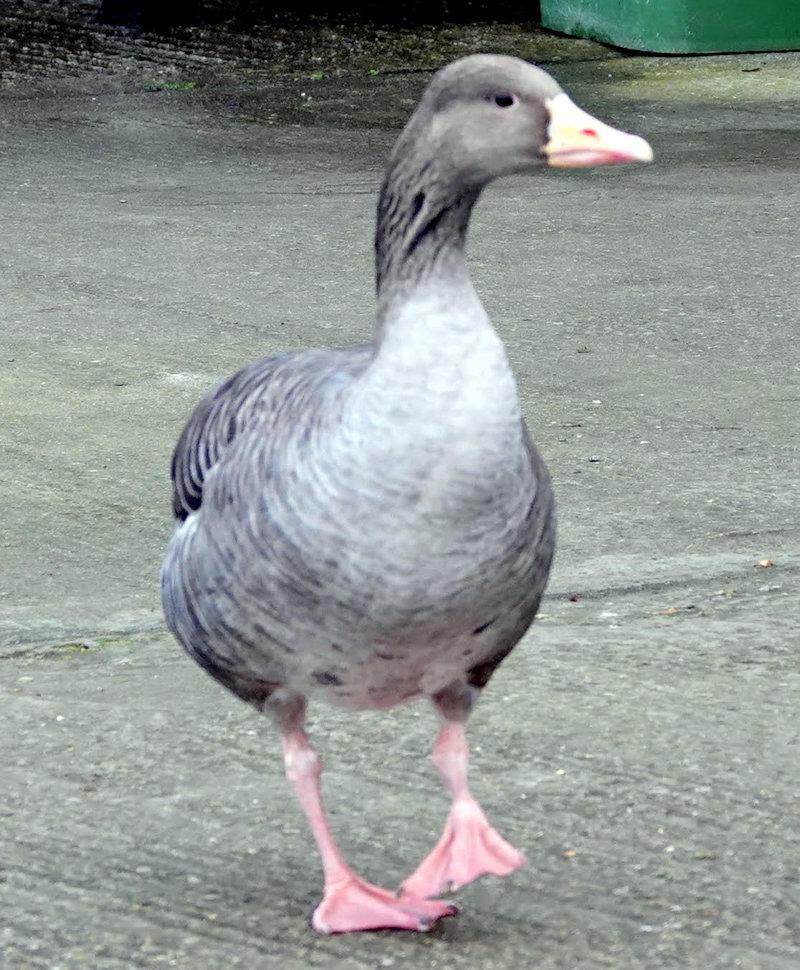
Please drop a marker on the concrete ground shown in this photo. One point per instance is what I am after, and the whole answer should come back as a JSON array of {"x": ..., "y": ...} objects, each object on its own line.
[{"x": 641, "y": 745}]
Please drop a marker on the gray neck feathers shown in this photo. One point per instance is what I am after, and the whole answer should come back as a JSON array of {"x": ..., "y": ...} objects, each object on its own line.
[
  {"x": 422, "y": 222},
  {"x": 438, "y": 400}
]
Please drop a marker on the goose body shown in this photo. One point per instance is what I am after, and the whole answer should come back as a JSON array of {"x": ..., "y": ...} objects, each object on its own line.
[
  {"x": 368, "y": 536},
  {"x": 373, "y": 524}
]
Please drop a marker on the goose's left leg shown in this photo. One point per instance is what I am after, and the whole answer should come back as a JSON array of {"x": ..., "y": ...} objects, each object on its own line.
[{"x": 469, "y": 846}]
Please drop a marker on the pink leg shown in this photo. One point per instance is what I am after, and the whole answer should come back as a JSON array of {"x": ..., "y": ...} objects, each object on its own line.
[
  {"x": 349, "y": 903},
  {"x": 469, "y": 846}
]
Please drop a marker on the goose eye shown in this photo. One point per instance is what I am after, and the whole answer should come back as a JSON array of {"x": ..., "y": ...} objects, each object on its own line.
[{"x": 504, "y": 100}]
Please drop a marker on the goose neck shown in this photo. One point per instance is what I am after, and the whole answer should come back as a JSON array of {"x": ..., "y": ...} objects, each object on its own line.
[{"x": 420, "y": 236}]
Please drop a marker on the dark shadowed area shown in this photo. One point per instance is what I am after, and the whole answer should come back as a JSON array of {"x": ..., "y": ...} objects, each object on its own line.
[{"x": 247, "y": 13}]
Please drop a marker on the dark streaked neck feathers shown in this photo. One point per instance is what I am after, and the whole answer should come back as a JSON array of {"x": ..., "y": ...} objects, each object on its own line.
[
  {"x": 423, "y": 215},
  {"x": 422, "y": 225}
]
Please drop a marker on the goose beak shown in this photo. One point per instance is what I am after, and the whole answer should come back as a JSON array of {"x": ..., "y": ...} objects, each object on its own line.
[{"x": 577, "y": 140}]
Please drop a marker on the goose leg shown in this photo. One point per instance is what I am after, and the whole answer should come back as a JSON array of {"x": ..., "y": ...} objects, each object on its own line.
[
  {"x": 469, "y": 846},
  {"x": 349, "y": 903}
]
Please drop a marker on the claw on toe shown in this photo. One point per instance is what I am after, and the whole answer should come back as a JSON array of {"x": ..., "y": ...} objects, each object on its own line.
[
  {"x": 355, "y": 905},
  {"x": 469, "y": 848}
]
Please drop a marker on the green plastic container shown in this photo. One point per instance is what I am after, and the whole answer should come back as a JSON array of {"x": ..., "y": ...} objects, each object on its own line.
[{"x": 680, "y": 26}]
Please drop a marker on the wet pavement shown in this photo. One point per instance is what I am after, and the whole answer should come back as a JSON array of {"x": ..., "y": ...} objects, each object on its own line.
[{"x": 640, "y": 745}]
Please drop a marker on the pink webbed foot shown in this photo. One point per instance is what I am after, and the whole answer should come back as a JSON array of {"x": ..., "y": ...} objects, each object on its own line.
[
  {"x": 349, "y": 904},
  {"x": 469, "y": 848},
  {"x": 352, "y": 905}
]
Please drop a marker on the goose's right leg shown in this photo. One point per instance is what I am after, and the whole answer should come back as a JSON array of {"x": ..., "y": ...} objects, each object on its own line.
[{"x": 349, "y": 903}]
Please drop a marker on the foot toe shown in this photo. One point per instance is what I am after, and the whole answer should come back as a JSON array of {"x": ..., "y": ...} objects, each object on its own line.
[
  {"x": 469, "y": 848},
  {"x": 356, "y": 906}
]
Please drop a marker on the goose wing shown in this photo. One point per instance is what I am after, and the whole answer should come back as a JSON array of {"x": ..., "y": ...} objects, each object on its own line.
[
  {"x": 280, "y": 385},
  {"x": 215, "y": 422}
]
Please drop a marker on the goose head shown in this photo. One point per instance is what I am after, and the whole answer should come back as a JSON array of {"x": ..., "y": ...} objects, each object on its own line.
[{"x": 485, "y": 116}]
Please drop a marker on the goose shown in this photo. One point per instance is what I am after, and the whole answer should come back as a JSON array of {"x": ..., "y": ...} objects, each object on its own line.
[{"x": 372, "y": 525}]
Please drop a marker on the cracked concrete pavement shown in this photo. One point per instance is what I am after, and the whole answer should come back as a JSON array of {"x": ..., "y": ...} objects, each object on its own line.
[{"x": 640, "y": 745}]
